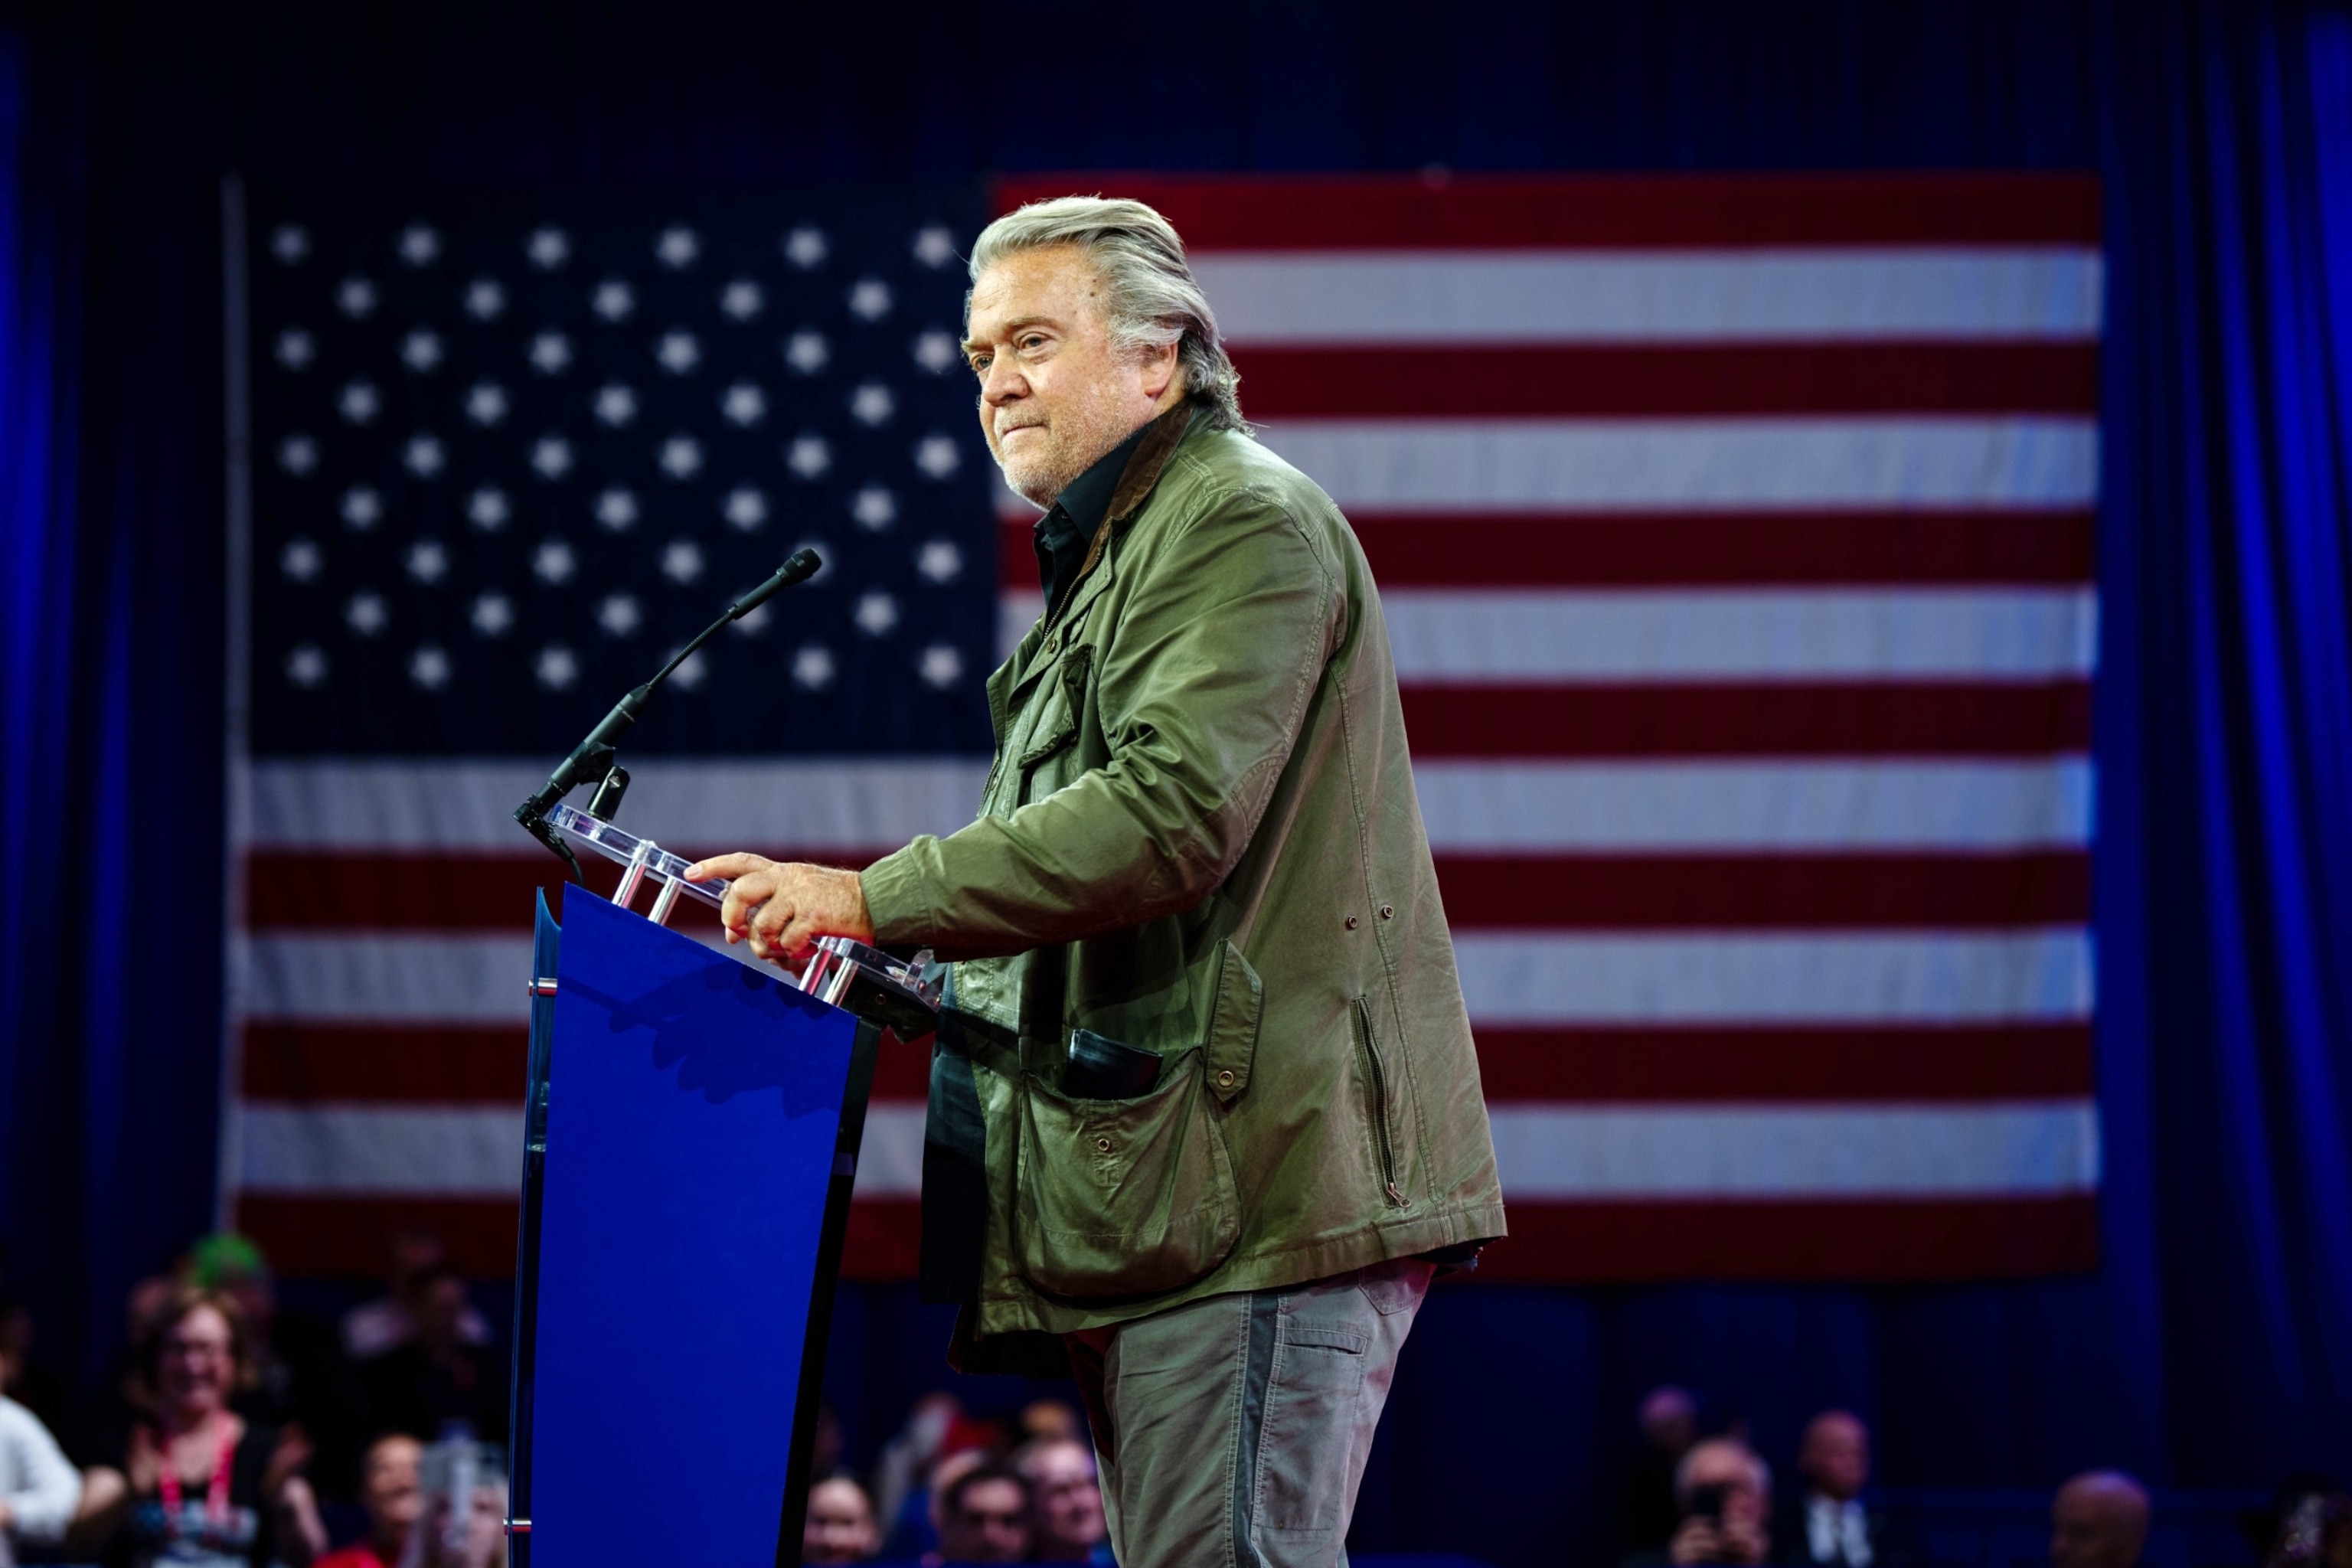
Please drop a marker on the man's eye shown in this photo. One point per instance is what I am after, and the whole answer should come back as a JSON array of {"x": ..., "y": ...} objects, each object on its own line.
[
  {"x": 1032, "y": 340},
  {"x": 980, "y": 364}
]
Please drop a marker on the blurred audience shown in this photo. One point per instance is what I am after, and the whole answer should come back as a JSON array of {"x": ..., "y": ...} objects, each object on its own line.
[
  {"x": 193, "y": 1480},
  {"x": 437, "y": 1380},
  {"x": 1830, "y": 1527},
  {"x": 2307, "y": 1525},
  {"x": 396, "y": 1318},
  {"x": 840, "y": 1526},
  {"x": 36, "y": 1388},
  {"x": 2098, "y": 1520},
  {"x": 983, "y": 1517},
  {"x": 1043, "y": 1418},
  {"x": 1669, "y": 1422},
  {"x": 906, "y": 1461},
  {"x": 391, "y": 1490},
  {"x": 40, "y": 1489},
  {"x": 463, "y": 1523},
  {"x": 1724, "y": 1493},
  {"x": 1066, "y": 1500}
]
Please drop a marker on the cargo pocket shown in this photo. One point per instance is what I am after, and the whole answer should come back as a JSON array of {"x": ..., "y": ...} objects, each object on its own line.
[
  {"x": 1123, "y": 1197},
  {"x": 1061, "y": 698}
]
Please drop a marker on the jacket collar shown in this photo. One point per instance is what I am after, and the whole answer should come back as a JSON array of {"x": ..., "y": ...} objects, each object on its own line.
[{"x": 1160, "y": 438}]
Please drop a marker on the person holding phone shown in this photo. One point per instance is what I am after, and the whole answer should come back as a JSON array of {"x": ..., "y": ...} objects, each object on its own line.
[{"x": 1724, "y": 1490}]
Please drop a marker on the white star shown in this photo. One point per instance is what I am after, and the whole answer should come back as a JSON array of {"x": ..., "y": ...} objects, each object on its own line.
[
  {"x": 486, "y": 403},
  {"x": 355, "y": 298},
  {"x": 869, "y": 298},
  {"x": 427, "y": 561},
  {"x": 298, "y": 454},
  {"x": 877, "y": 613},
  {"x": 486, "y": 509},
  {"x": 941, "y": 666},
  {"x": 419, "y": 246},
  {"x": 549, "y": 247},
  {"x": 296, "y": 349},
  {"x": 806, "y": 246},
  {"x": 690, "y": 674},
  {"x": 813, "y": 666},
  {"x": 551, "y": 456},
  {"x": 429, "y": 667},
  {"x": 940, "y": 560},
  {"x": 875, "y": 507},
  {"x": 491, "y": 614},
  {"x": 937, "y": 457},
  {"x": 934, "y": 247},
  {"x": 555, "y": 667},
  {"x": 808, "y": 456},
  {"x": 744, "y": 507},
  {"x": 617, "y": 614},
  {"x": 616, "y": 508},
  {"x": 551, "y": 353},
  {"x": 362, "y": 508},
  {"x": 614, "y": 299},
  {"x": 366, "y": 613},
  {"x": 937, "y": 352},
  {"x": 677, "y": 351},
  {"x": 358, "y": 402},
  {"x": 302, "y": 559},
  {"x": 553, "y": 563},
  {"x": 744, "y": 405},
  {"x": 617, "y": 404},
  {"x": 681, "y": 457},
  {"x": 306, "y": 666},
  {"x": 742, "y": 299},
  {"x": 872, "y": 404},
  {"x": 677, "y": 246},
  {"x": 753, "y": 622},
  {"x": 681, "y": 561},
  {"x": 806, "y": 352},
  {"x": 486, "y": 300},
  {"x": 421, "y": 349},
  {"x": 290, "y": 242},
  {"x": 424, "y": 455}
]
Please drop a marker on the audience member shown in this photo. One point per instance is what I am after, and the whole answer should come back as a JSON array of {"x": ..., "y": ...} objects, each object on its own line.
[
  {"x": 1723, "y": 1491},
  {"x": 840, "y": 1526},
  {"x": 464, "y": 1521},
  {"x": 396, "y": 1318},
  {"x": 2098, "y": 1520},
  {"x": 193, "y": 1481},
  {"x": 1669, "y": 1422},
  {"x": 984, "y": 1517},
  {"x": 36, "y": 1388},
  {"x": 1830, "y": 1527},
  {"x": 2307, "y": 1525},
  {"x": 1067, "y": 1501},
  {"x": 438, "y": 1380},
  {"x": 907, "y": 1458},
  {"x": 391, "y": 1490},
  {"x": 301, "y": 1383},
  {"x": 1043, "y": 1418},
  {"x": 39, "y": 1489}
]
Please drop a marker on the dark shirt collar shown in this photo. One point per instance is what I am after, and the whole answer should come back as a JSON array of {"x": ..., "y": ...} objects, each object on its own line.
[{"x": 1067, "y": 531}]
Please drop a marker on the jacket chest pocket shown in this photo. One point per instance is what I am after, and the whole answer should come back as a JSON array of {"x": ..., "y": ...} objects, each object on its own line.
[{"x": 1048, "y": 724}]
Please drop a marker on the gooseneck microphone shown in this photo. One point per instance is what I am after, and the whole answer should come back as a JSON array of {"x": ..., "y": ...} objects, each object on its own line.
[{"x": 591, "y": 759}]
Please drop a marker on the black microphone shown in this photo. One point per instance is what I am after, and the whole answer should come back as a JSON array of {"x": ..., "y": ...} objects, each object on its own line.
[{"x": 593, "y": 756}]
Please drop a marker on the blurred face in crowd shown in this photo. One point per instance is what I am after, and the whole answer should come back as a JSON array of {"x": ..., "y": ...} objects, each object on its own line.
[
  {"x": 1836, "y": 1455},
  {"x": 1067, "y": 1500},
  {"x": 1669, "y": 1421},
  {"x": 1055, "y": 393},
  {"x": 987, "y": 1522},
  {"x": 196, "y": 1363},
  {"x": 2098, "y": 1520},
  {"x": 1721, "y": 1487},
  {"x": 479, "y": 1542},
  {"x": 390, "y": 1492},
  {"x": 840, "y": 1526}
]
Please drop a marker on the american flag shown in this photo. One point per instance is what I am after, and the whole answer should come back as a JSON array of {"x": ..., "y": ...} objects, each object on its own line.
[{"x": 1735, "y": 538}]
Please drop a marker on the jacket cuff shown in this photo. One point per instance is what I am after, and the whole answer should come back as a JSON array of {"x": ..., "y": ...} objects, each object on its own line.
[{"x": 897, "y": 903}]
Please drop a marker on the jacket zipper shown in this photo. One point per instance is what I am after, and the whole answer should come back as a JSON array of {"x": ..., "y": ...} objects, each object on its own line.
[{"x": 1379, "y": 1104}]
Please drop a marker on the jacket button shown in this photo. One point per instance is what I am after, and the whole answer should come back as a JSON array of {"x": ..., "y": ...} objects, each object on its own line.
[
  {"x": 1102, "y": 1145},
  {"x": 1351, "y": 922},
  {"x": 1387, "y": 911},
  {"x": 1225, "y": 1078}
]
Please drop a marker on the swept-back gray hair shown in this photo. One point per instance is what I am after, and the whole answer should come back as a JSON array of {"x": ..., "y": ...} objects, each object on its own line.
[{"x": 1150, "y": 295}]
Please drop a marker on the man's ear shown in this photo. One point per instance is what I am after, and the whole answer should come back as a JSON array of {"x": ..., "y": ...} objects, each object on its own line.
[{"x": 1162, "y": 366}]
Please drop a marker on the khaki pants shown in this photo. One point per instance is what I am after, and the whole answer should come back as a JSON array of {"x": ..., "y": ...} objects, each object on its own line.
[{"x": 1231, "y": 1432}]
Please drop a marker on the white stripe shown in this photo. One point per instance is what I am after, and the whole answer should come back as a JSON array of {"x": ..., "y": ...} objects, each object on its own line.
[
  {"x": 1741, "y": 635},
  {"x": 1370, "y": 466},
  {"x": 1844, "y": 806},
  {"x": 845, "y": 802},
  {"x": 391, "y": 979},
  {"x": 1675, "y": 296},
  {"x": 1567, "y": 1153},
  {"x": 447, "y": 1151},
  {"x": 1848, "y": 977}
]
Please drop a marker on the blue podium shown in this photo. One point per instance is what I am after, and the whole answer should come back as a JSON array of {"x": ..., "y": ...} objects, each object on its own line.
[{"x": 691, "y": 1138}]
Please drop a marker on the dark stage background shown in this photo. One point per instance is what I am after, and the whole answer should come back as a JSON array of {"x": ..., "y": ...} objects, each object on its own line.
[{"x": 2214, "y": 1345}]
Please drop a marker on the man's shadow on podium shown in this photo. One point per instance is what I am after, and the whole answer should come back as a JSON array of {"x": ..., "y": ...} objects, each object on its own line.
[{"x": 697, "y": 1029}]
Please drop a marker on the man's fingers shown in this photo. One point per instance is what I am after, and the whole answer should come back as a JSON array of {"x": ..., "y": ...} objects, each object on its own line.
[
  {"x": 745, "y": 894},
  {"x": 735, "y": 864}
]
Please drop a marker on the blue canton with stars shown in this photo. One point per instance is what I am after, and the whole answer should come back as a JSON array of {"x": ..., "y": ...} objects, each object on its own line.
[{"x": 511, "y": 452}]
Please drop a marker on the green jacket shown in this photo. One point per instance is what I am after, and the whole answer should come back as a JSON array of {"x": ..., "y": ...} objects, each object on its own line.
[{"x": 1201, "y": 837}]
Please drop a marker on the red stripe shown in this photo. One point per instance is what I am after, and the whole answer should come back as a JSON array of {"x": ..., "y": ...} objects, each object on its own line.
[
  {"x": 1913, "y": 1063},
  {"x": 1860, "y": 1240},
  {"x": 1656, "y": 550},
  {"x": 1453, "y": 212},
  {"x": 1787, "y": 891},
  {"x": 1875, "y": 719},
  {"x": 884, "y": 1240},
  {"x": 315, "y": 1237},
  {"x": 1632, "y": 382}
]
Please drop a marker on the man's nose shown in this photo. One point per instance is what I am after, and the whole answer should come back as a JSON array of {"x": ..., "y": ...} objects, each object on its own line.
[{"x": 1002, "y": 384}]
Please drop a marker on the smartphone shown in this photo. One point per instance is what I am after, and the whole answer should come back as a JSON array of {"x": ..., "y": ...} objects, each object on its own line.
[{"x": 1707, "y": 1502}]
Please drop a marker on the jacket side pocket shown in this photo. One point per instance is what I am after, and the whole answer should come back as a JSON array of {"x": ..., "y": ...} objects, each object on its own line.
[{"x": 1232, "y": 1043}]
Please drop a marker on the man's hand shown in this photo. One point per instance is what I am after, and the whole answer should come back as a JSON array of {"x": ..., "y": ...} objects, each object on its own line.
[{"x": 780, "y": 907}]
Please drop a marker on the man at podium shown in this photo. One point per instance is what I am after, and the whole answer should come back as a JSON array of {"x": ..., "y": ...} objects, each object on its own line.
[{"x": 1205, "y": 1112}]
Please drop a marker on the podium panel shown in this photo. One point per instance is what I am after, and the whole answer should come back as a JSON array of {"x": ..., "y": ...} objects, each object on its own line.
[{"x": 694, "y": 1146}]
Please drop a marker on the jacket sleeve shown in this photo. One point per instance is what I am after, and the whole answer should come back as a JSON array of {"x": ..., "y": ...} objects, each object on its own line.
[
  {"x": 1202, "y": 689},
  {"x": 40, "y": 1486}
]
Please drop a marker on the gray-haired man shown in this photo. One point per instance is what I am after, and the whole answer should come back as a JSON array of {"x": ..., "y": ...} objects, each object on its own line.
[{"x": 1206, "y": 1109}]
